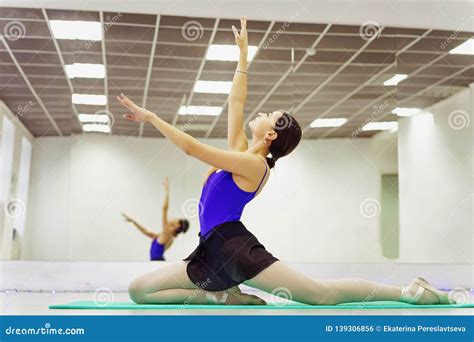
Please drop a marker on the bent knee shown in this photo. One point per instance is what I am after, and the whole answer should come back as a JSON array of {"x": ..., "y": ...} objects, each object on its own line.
[{"x": 137, "y": 292}]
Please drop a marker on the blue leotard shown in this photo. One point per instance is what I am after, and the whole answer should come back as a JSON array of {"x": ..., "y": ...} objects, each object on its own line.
[
  {"x": 157, "y": 250},
  {"x": 222, "y": 200}
]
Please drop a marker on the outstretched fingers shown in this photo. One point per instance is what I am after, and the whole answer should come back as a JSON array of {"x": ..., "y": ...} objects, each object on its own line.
[
  {"x": 125, "y": 101},
  {"x": 236, "y": 32},
  {"x": 243, "y": 22}
]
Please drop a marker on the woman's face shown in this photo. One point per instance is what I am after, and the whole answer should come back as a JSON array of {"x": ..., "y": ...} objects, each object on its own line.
[
  {"x": 174, "y": 225},
  {"x": 264, "y": 123}
]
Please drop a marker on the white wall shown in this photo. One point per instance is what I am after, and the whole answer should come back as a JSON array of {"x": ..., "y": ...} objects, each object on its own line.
[
  {"x": 48, "y": 218},
  {"x": 436, "y": 191},
  {"x": 11, "y": 159},
  {"x": 309, "y": 210}
]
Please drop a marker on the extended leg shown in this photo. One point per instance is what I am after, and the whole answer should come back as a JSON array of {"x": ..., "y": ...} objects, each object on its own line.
[{"x": 319, "y": 291}]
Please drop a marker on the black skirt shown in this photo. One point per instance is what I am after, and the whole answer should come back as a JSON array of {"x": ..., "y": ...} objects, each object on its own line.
[{"x": 227, "y": 256}]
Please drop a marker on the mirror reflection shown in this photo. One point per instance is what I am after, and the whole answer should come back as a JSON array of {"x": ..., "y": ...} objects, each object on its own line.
[{"x": 112, "y": 134}]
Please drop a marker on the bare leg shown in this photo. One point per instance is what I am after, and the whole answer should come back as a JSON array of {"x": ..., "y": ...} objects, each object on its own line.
[
  {"x": 171, "y": 285},
  {"x": 326, "y": 292}
]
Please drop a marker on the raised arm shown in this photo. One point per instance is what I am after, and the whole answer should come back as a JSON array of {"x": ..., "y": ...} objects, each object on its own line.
[
  {"x": 165, "y": 203},
  {"x": 241, "y": 163},
  {"x": 145, "y": 231},
  {"x": 236, "y": 138}
]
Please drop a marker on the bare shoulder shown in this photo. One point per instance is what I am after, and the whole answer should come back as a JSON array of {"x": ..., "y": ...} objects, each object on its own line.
[{"x": 258, "y": 179}]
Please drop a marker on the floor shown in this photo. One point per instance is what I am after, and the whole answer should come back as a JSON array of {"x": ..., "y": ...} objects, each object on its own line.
[{"x": 36, "y": 303}]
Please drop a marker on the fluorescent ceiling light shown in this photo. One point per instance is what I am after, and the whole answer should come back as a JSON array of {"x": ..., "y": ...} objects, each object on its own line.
[
  {"x": 219, "y": 52},
  {"x": 200, "y": 110},
  {"x": 73, "y": 29},
  {"x": 97, "y": 118},
  {"x": 466, "y": 48},
  {"x": 85, "y": 70},
  {"x": 395, "y": 79},
  {"x": 99, "y": 100},
  {"x": 381, "y": 126},
  {"x": 405, "y": 111},
  {"x": 328, "y": 122},
  {"x": 213, "y": 87},
  {"x": 96, "y": 128}
]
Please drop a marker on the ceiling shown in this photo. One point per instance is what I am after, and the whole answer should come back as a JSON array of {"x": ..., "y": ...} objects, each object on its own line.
[{"x": 313, "y": 70}]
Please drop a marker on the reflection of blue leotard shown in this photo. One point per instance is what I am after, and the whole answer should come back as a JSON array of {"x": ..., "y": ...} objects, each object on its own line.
[{"x": 157, "y": 250}]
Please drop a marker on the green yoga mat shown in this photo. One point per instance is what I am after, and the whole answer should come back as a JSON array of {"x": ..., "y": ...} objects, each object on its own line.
[{"x": 352, "y": 306}]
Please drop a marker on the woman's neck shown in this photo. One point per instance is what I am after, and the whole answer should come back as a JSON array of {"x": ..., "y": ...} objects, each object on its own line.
[{"x": 258, "y": 147}]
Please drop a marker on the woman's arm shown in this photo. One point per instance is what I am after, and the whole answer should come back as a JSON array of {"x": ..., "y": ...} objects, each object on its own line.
[
  {"x": 236, "y": 138},
  {"x": 145, "y": 231},
  {"x": 165, "y": 204},
  {"x": 240, "y": 163}
]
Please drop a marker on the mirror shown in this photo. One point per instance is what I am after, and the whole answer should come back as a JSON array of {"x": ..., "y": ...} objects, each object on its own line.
[{"x": 383, "y": 172}]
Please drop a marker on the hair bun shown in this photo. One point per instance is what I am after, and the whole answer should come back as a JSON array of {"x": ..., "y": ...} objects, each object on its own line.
[{"x": 271, "y": 162}]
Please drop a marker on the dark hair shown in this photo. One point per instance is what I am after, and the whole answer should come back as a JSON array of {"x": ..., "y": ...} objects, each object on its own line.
[
  {"x": 289, "y": 135},
  {"x": 183, "y": 226}
]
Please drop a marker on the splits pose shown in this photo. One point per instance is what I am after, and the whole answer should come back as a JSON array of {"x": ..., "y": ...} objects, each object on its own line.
[
  {"x": 228, "y": 254},
  {"x": 169, "y": 231}
]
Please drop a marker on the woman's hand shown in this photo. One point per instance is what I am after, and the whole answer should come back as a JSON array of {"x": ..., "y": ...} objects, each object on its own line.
[
  {"x": 137, "y": 114},
  {"x": 127, "y": 219},
  {"x": 241, "y": 38},
  {"x": 166, "y": 184}
]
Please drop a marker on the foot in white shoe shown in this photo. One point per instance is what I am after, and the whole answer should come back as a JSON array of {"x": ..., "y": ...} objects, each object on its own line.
[
  {"x": 233, "y": 296},
  {"x": 421, "y": 292}
]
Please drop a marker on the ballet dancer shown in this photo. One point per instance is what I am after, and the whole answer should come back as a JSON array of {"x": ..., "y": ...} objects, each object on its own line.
[
  {"x": 169, "y": 231},
  {"x": 228, "y": 254}
]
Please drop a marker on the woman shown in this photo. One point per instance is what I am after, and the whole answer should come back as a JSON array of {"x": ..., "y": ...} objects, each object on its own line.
[
  {"x": 228, "y": 254},
  {"x": 169, "y": 231}
]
